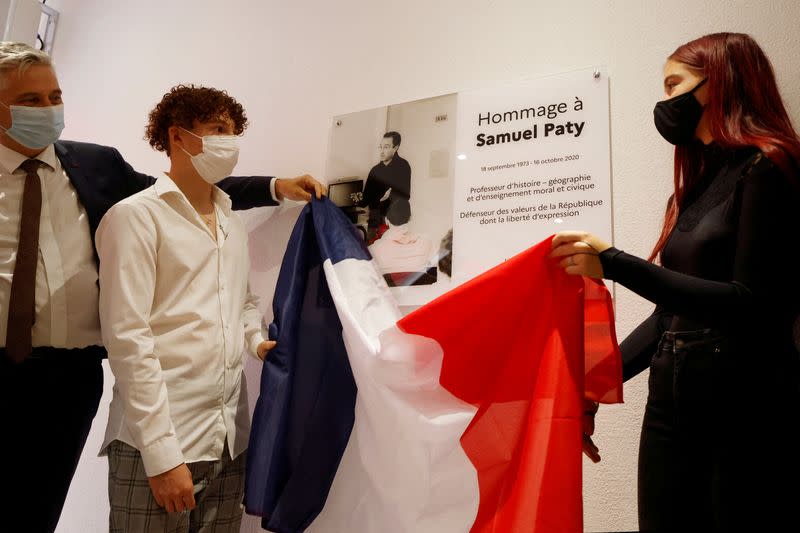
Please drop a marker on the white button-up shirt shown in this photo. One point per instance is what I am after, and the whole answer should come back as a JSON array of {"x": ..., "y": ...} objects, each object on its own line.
[
  {"x": 66, "y": 274},
  {"x": 176, "y": 313}
]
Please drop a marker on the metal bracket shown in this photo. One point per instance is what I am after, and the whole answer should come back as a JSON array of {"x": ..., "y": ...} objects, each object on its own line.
[{"x": 50, "y": 28}]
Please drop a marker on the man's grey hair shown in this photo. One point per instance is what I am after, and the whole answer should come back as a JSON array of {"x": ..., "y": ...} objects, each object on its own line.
[{"x": 20, "y": 56}]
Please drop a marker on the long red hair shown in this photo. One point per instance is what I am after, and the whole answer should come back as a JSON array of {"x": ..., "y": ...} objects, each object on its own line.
[{"x": 744, "y": 109}]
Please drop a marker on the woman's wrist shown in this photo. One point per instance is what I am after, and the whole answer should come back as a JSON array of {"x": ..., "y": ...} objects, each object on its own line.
[{"x": 607, "y": 258}]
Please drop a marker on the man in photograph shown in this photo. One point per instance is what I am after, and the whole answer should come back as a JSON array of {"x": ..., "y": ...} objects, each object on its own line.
[{"x": 387, "y": 183}]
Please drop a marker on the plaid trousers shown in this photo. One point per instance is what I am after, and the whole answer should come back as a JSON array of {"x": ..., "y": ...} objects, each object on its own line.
[{"x": 218, "y": 492}]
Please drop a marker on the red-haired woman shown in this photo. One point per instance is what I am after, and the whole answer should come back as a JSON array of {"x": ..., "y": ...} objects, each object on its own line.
[{"x": 718, "y": 440}]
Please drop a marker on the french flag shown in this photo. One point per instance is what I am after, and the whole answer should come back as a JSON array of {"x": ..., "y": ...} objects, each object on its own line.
[{"x": 463, "y": 416}]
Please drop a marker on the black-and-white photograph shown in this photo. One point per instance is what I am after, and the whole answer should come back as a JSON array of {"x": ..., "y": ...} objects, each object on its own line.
[{"x": 390, "y": 169}]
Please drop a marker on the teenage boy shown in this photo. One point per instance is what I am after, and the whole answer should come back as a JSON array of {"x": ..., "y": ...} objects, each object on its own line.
[{"x": 176, "y": 314}]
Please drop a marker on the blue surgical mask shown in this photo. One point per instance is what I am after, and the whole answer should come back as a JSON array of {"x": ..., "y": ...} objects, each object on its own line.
[{"x": 35, "y": 127}]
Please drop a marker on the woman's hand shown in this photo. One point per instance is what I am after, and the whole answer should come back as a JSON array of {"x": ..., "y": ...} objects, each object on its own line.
[{"x": 579, "y": 253}]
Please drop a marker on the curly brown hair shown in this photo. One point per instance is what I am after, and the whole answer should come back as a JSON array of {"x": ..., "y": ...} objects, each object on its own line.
[{"x": 184, "y": 105}]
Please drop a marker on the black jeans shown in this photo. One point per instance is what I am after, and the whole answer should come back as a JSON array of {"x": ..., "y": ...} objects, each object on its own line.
[
  {"x": 717, "y": 440},
  {"x": 48, "y": 404}
]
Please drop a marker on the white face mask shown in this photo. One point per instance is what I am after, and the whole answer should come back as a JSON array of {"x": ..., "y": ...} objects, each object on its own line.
[{"x": 218, "y": 158}]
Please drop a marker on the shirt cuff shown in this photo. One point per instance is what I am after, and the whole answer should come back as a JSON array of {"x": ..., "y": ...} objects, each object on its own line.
[
  {"x": 272, "y": 183},
  {"x": 162, "y": 456},
  {"x": 255, "y": 340}
]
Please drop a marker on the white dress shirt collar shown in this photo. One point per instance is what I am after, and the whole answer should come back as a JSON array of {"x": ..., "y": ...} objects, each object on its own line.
[
  {"x": 166, "y": 187},
  {"x": 11, "y": 160}
]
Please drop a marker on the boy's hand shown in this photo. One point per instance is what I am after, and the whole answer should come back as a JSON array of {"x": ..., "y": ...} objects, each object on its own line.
[
  {"x": 265, "y": 347},
  {"x": 174, "y": 489}
]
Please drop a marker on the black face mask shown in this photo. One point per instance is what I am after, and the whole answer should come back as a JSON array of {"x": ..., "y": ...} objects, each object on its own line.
[{"x": 677, "y": 118}]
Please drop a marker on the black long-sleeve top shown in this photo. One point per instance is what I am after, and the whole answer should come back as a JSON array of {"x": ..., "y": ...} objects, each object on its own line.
[
  {"x": 382, "y": 177},
  {"x": 729, "y": 264}
]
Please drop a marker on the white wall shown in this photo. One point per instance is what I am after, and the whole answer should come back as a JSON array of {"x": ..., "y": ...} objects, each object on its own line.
[{"x": 296, "y": 64}]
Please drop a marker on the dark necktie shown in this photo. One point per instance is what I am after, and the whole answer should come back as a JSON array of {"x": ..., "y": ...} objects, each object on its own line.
[{"x": 21, "y": 303}]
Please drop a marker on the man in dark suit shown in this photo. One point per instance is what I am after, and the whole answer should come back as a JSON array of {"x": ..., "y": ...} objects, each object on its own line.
[
  {"x": 392, "y": 173},
  {"x": 52, "y": 197}
]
